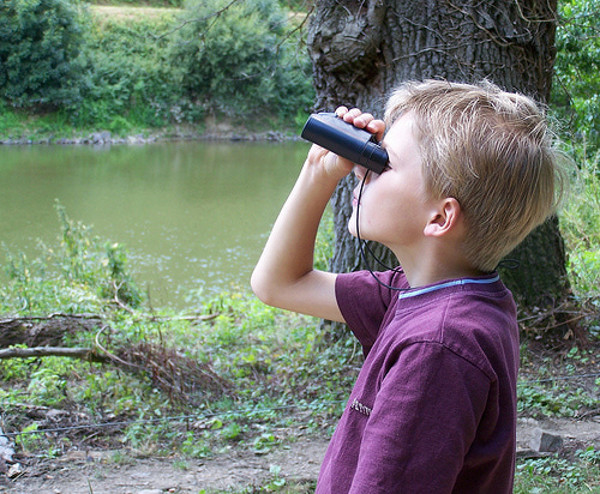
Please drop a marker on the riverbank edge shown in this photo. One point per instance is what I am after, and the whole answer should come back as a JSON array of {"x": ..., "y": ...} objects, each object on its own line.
[{"x": 102, "y": 138}]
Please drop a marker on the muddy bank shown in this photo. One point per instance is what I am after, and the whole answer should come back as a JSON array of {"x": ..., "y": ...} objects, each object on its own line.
[{"x": 212, "y": 133}]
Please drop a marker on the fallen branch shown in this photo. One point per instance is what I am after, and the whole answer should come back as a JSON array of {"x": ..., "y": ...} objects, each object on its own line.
[
  {"x": 54, "y": 315},
  {"x": 52, "y": 330},
  {"x": 88, "y": 354},
  {"x": 44, "y": 331}
]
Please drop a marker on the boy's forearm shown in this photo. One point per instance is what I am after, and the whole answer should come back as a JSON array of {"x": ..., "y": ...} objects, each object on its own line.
[
  {"x": 289, "y": 249},
  {"x": 284, "y": 275}
]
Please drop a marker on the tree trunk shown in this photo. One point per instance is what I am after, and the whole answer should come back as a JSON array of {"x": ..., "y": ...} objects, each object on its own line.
[{"x": 361, "y": 50}]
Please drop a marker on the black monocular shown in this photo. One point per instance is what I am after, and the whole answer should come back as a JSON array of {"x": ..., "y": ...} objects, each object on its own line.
[{"x": 345, "y": 140}]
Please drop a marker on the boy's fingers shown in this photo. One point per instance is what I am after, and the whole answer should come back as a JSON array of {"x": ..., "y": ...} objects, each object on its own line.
[
  {"x": 363, "y": 120},
  {"x": 350, "y": 115},
  {"x": 340, "y": 111},
  {"x": 376, "y": 127}
]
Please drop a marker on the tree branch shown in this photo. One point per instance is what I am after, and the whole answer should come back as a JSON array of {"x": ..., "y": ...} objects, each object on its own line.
[
  {"x": 55, "y": 315},
  {"x": 88, "y": 354}
]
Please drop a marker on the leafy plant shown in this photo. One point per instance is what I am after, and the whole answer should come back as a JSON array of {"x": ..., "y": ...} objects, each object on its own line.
[
  {"x": 576, "y": 90},
  {"x": 580, "y": 227},
  {"x": 552, "y": 401},
  {"x": 130, "y": 80},
  {"x": 555, "y": 475},
  {"x": 85, "y": 262},
  {"x": 234, "y": 59},
  {"x": 40, "y": 61},
  {"x": 28, "y": 439},
  {"x": 81, "y": 275}
]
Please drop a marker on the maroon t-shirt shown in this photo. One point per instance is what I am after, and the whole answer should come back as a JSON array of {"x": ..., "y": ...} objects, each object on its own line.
[{"x": 434, "y": 407}]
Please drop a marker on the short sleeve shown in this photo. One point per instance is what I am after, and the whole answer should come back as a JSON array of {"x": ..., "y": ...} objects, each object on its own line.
[{"x": 364, "y": 302}]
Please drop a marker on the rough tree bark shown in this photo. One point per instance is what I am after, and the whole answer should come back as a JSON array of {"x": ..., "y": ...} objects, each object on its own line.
[{"x": 361, "y": 50}]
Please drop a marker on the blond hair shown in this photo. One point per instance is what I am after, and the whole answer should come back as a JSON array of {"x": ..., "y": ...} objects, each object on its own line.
[{"x": 490, "y": 150}]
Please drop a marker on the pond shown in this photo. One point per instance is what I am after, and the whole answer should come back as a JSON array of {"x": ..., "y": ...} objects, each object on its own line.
[{"x": 192, "y": 215}]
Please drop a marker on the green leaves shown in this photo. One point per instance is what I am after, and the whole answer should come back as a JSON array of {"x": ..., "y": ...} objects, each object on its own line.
[
  {"x": 235, "y": 59},
  {"x": 81, "y": 275},
  {"x": 576, "y": 91},
  {"x": 40, "y": 52},
  {"x": 124, "y": 74}
]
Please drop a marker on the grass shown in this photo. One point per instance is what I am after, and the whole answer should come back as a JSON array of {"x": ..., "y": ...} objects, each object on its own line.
[
  {"x": 555, "y": 475},
  {"x": 271, "y": 365},
  {"x": 580, "y": 227}
]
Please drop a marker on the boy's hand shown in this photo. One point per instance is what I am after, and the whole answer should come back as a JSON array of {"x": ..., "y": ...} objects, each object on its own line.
[
  {"x": 333, "y": 165},
  {"x": 362, "y": 121}
]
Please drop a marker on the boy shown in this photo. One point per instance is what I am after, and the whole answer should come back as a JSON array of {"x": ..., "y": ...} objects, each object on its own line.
[{"x": 471, "y": 172}]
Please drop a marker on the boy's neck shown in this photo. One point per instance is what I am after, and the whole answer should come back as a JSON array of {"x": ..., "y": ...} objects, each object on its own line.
[
  {"x": 423, "y": 269},
  {"x": 416, "y": 280}
]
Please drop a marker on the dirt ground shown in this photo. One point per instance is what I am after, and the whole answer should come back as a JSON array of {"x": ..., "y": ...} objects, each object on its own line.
[
  {"x": 119, "y": 472},
  {"x": 77, "y": 472}
]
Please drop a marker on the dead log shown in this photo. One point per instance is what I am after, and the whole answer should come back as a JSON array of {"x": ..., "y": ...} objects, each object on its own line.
[
  {"x": 44, "y": 330},
  {"x": 89, "y": 354}
]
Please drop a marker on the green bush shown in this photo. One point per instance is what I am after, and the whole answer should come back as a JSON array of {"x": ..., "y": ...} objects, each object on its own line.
[
  {"x": 234, "y": 60},
  {"x": 128, "y": 74},
  {"x": 148, "y": 72},
  {"x": 576, "y": 89},
  {"x": 40, "y": 61},
  {"x": 580, "y": 227},
  {"x": 130, "y": 81}
]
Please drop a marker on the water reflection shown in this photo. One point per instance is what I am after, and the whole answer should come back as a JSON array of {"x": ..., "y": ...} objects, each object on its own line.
[{"x": 191, "y": 214}]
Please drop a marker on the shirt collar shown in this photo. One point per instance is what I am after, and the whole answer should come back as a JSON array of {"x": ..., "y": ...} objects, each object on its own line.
[{"x": 446, "y": 284}]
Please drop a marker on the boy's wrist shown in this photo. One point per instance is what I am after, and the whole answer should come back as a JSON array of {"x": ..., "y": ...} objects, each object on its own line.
[{"x": 325, "y": 167}]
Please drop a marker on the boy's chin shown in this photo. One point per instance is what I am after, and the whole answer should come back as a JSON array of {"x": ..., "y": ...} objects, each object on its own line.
[{"x": 352, "y": 227}]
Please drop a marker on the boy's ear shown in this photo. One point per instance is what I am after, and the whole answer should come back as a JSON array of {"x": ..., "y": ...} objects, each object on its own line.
[{"x": 444, "y": 219}]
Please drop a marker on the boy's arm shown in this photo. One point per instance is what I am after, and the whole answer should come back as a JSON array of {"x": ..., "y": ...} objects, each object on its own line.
[{"x": 284, "y": 275}]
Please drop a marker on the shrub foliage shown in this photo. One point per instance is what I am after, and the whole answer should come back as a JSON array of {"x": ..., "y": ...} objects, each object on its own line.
[
  {"x": 576, "y": 91},
  {"x": 233, "y": 58},
  {"x": 121, "y": 73},
  {"x": 240, "y": 58},
  {"x": 129, "y": 80},
  {"x": 40, "y": 60}
]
